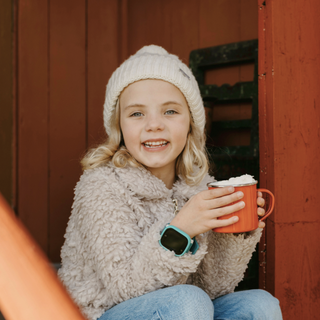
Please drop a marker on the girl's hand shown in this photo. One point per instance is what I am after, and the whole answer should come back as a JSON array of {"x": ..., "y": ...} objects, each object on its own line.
[
  {"x": 261, "y": 211},
  {"x": 200, "y": 213}
]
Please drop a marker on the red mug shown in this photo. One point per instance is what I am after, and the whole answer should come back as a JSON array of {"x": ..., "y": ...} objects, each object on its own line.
[{"x": 248, "y": 217}]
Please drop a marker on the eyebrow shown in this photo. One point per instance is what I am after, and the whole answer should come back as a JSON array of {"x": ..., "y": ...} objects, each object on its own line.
[{"x": 142, "y": 105}]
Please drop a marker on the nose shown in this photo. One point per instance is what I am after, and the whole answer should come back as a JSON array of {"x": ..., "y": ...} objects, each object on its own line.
[{"x": 154, "y": 123}]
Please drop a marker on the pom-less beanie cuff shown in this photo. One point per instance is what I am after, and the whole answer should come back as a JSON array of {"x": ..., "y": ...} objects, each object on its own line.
[{"x": 154, "y": 62}]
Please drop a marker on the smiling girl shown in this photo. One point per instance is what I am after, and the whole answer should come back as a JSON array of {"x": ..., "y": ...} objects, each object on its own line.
[{"x": 139, "y": 243}]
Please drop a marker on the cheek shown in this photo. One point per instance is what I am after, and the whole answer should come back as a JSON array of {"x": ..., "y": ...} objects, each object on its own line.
[
  {"x": 183, "y": 127},
  {"x": 181, "y": 133},
  {"x": 130, "y": 135}
]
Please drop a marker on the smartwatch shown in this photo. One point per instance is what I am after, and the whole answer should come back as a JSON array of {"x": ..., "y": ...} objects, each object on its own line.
[{"x": 174, "y": 239}]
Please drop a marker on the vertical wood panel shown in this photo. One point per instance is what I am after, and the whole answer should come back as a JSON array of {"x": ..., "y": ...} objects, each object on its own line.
[
  {"x": 32, "y": 97},
  {"x": 123, "y": 30},
  {"x": 184, "y": 27},
  {"x": 297, "y": 59},
  {"x": 297, "y": 281},
  {"x": 103, "y": 59},
  {"x": 6, "y": 100},
  {"x": 220, "y": 23},
  {"x": 263, "y": 246},
  {"x": 248, "y": 31},
  {"x": 267, "y": 135},
  {"x": 292, "y": 120},
  {"x": 296, "y": 96},
  {"x": 223, "y": 22},
  {"x": 67, "y": 112},
  {"x": 148, "y": 23},
  {"x": 248, "y": 19}
]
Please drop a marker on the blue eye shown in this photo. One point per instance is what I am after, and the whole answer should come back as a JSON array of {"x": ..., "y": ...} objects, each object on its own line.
[
  {"x": 136, "y": 114},
  {"x": 170, "y": 112}
]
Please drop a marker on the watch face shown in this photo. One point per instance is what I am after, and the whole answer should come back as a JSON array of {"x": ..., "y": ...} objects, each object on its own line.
[{"x": 174, "y": 241}]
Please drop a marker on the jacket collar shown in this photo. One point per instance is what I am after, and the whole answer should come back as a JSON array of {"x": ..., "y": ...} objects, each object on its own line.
[{"x": 144, "y": 184}]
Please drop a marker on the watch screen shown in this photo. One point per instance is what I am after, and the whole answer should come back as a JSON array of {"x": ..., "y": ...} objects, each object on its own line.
[{"x": 174, "y": 241}]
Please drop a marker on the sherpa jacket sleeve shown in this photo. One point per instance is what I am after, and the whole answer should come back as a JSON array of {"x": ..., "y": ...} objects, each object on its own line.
[
  {"x": 224, "y": 265},
  {"x": 123, "y": 253}
]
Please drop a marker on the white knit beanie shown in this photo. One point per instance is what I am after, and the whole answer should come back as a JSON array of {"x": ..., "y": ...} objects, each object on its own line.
[{"x": 154, "y": 62}]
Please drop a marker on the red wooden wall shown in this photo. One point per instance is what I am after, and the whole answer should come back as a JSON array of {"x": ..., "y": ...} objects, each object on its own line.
[
  {"x": 52, "y": 90},
  {"x": 6, "y": 99},
  {"x": 289, "y": 102},
  {"x": 66, "y": 52}
]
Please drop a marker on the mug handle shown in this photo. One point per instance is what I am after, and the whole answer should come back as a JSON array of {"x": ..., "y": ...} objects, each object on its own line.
[{"x": 271, "y": 204}]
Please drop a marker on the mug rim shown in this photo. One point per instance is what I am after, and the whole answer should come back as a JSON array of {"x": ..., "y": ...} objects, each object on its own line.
[{"x": 212, "y": 184}]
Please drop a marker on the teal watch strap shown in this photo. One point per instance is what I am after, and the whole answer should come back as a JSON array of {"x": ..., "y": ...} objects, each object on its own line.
[{"x": 194, "y": 248}]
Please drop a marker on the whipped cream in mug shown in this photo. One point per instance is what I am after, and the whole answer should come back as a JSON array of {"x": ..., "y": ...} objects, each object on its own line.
[{"x": 244, "y": 179}]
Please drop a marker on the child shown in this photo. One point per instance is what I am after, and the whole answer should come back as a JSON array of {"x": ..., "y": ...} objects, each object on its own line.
[{"x": 139, "y": 243}]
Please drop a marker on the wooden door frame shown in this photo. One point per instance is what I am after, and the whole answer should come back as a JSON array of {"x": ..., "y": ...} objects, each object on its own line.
[{"x": 289, "y": 140}]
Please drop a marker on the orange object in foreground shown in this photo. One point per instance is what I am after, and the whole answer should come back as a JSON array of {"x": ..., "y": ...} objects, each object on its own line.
[
  {"x": 29, "y": 287},
  {"x": 248, "y": 217}
]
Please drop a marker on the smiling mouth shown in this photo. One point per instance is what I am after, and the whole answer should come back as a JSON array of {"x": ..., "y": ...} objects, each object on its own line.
[{"x": 155, "y": 144}]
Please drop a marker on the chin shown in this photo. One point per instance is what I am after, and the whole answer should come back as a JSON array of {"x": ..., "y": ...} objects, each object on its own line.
[{"x": 155, "y": 165}]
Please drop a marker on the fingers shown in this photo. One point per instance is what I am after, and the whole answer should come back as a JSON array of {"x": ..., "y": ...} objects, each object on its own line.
[
  {"x": 225, "y": 200},
  {"x": 219, "y": 212},
  {"x": 228, "y": 222},
  {"x": 223, "y": 223},
  {"x": 219, "y": 197},
  {"x": 216, "y": 192},
  {"x": 261, "y": 202},
  {"x": 261, "y": 212}
]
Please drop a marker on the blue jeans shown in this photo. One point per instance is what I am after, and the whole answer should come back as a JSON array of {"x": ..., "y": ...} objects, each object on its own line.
[{"x": 187, "y": 302}]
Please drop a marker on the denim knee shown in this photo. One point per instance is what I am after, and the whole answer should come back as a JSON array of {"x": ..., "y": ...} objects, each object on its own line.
[
  {"x": 188, "y": 303},
  {"x": 264, "y": 305}
]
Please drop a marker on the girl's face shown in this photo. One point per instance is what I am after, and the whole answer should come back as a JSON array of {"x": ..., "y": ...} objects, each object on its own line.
[{"x": 155, "y": 121}]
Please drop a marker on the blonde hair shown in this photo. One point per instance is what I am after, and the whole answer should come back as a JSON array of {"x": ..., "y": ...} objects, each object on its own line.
[{"x": 191, "y": 164}]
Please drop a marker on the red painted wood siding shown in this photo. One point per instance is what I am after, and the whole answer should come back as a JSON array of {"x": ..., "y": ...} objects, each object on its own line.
[
  {"x": 67, "y": 51},
  {"x": 64, "y": 55},
  {"x": 290, "y": 149}
]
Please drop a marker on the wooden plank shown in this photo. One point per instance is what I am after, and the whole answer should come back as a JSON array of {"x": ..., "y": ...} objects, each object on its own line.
[
  {"x": 232, "y": 111},
  {"x": 297, "y": 269},
  {"x": 297, "y": 70},
  {"x": 32, "y": 115},
  {"x": 6, "y": 100},
  {"x": 248, "y": 31},
  {"x": 184, "y": 27},
  {"x": 148, "y": 23},
  {"x": 30, "y": 288},
  {"x": 267, "y": 143},
  {"x": 296, "y": 74},
  {"x": 220, "y": 23},
  {"x": 248, "y": 19},
  {"x": 123, "y": 30},
  {"x": 262, "y": 139},
  {"x": 67, "y": 112},
  {"x": 292, "y": 50},
  {"x": 223, "y": 22},
  {"x": 103, "y": 59}
]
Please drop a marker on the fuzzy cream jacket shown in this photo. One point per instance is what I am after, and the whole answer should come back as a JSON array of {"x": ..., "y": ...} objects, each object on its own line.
[{"x": 111, "y": 251}]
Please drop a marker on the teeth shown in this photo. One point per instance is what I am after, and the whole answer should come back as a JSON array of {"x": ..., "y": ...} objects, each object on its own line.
[{"x": 156, "y": 143}]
